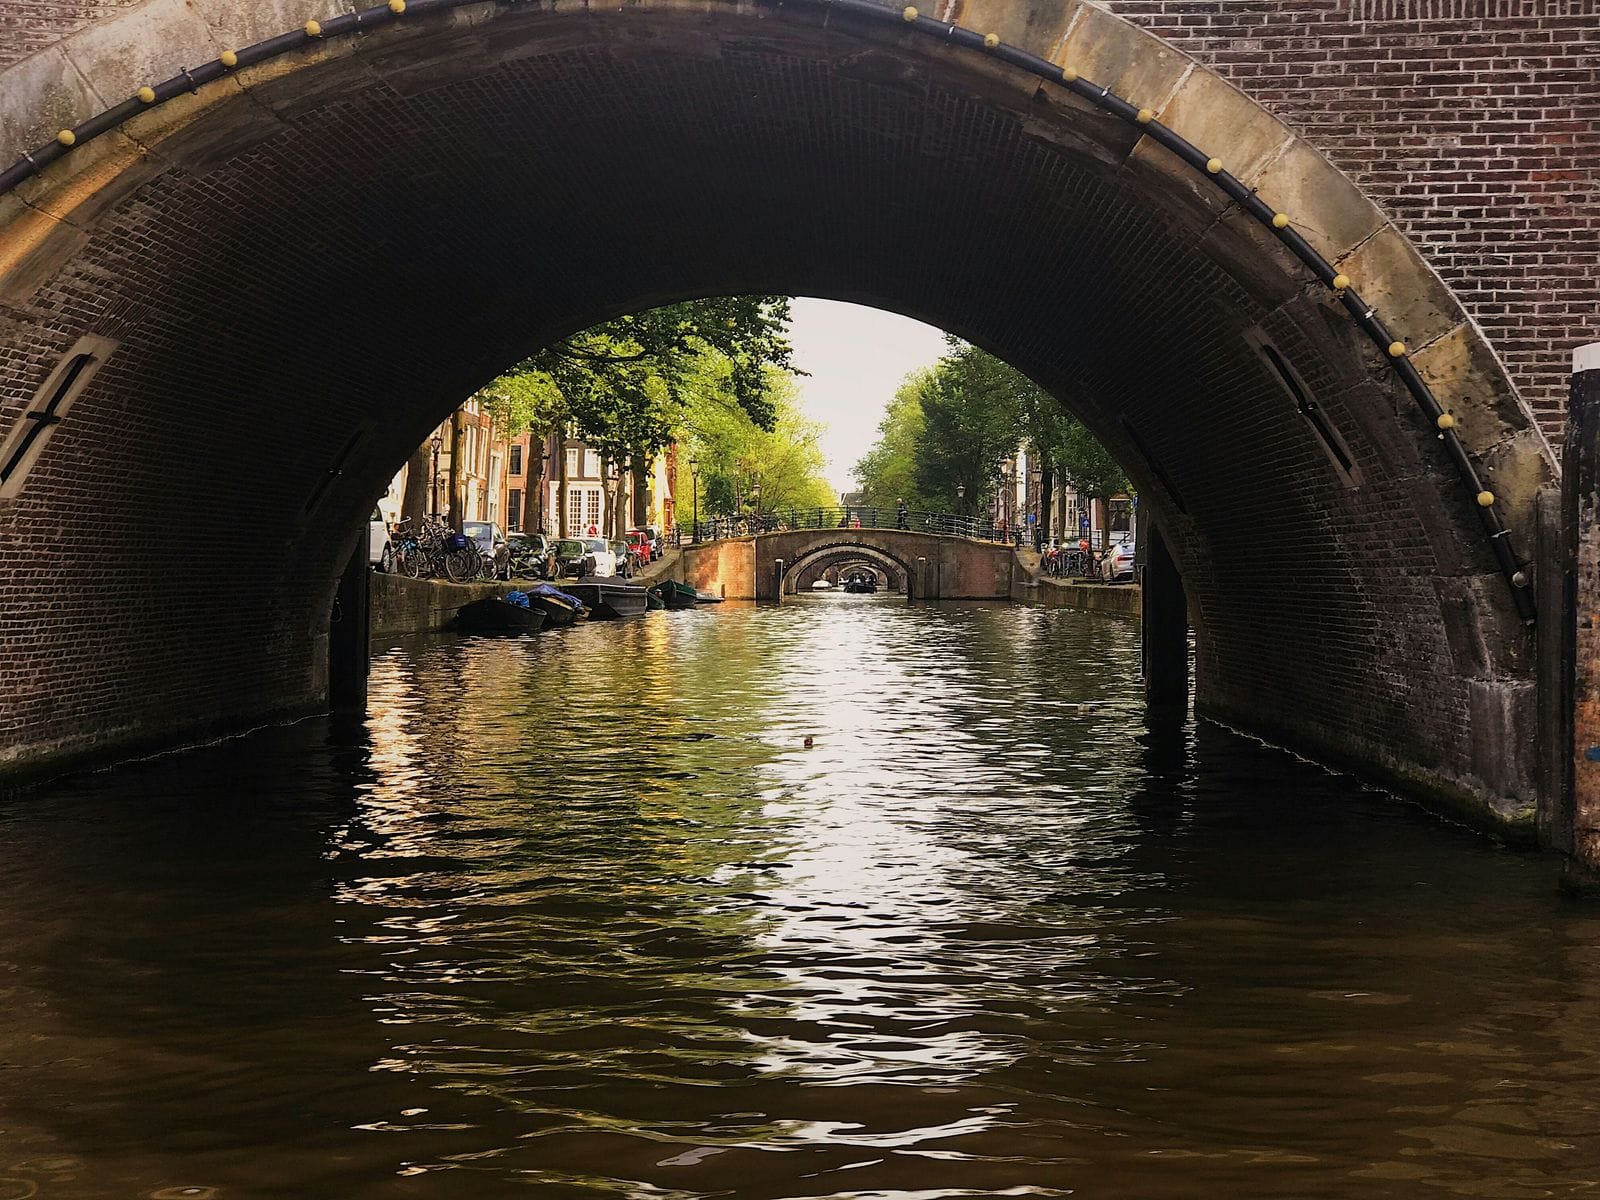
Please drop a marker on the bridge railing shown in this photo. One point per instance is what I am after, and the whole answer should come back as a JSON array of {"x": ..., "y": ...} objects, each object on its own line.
[{"x": 853, "y": 517}]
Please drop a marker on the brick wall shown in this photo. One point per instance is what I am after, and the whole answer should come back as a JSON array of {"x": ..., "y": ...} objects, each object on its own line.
[{"x": 1474, "y": 123}]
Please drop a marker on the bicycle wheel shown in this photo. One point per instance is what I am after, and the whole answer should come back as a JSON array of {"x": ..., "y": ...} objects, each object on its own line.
[
  {"x": 408, "y": 561},
  {"x": 461, "y": 565}
]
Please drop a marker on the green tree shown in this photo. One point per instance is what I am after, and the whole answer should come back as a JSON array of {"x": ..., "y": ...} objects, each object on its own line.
[
  {"x": 954, "y": 424},
  {"x": 734, "y": 456},
  {"x": 888, "y": 472},
  {"x": 623, "y": 387},
  {"x": 971, "y": 409}
]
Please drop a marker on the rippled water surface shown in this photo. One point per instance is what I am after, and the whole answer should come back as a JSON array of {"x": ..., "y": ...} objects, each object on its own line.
[{"x": 583, "y": 916}]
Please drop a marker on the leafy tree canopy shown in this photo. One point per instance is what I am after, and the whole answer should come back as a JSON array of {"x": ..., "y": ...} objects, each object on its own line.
[
  {"x": 733, "y": 455},
  {"x": 624, "y": 386},
  {"x": 888, "y": 473},
  {"x": 953, "y": 425}
]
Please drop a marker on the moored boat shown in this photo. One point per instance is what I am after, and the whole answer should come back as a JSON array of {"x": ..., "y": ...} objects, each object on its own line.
[
  {"x": 559, "y": 607},
  {"x": 494, "y": 615},
  {"x": 677, "y": 595},
  {"x": 608, "y": 601}
]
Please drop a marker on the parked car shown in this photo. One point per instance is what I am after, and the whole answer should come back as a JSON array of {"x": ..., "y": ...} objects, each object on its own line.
[
  {"x": 658, "y": 541},
  {"x": 491, "y": 542},
  {"x": 573, "y": 557},
  {"x": 639, "y": 542},
  {"x": 380, "y": 552},
  {"x": 1116, "y": 566},
  {"x": 606, "y": 565}
]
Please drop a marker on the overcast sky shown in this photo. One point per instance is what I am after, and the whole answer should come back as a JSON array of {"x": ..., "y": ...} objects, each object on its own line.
[{"x": 856, "y": 358}]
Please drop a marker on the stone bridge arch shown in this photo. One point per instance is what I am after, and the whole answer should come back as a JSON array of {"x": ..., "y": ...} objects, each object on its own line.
[
  {"x": 291, "y": 247},
  {"x": 888, "y": 573},
  {"x": 800, "y": 574}
]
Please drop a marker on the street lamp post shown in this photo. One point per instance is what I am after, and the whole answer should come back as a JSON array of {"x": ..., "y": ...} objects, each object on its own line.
[
  {"x": 755, "y": 504},
  {"x": 961, "y": 501}
]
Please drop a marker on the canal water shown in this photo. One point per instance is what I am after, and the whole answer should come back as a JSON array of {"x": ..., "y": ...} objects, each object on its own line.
[{"x": 585, "y": 916}]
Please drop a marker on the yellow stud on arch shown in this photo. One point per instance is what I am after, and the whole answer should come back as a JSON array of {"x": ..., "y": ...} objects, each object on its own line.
[
  {"x": 1445, "y": 421},
  {"x": 397, "y": 6},
  {"x": 910, "y": 12},
  {"x": 1485, "y": 499},
  {"x": 66, "y": 137},
  {"x": 1396, "y": 349},
  {"x": 1280, "y": 220},
  {"x": 1341, "y": 281},
  {"x": 1068, "y": 75},
  {"x": 228, "y": 59},
  {"x": 991, "y": 40},
  {"x": 147, "y": 95},
  {"x": 313, "y": 29},
  {"x": 1214, "y": 165},
  {"x": 1145, "y": 116}
]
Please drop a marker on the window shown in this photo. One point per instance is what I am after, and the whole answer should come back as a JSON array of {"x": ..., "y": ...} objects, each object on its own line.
[
  {"x": 572, "y": 464},
  {"x": 513, "y": 502},
  {"x": 592, "y": 508},
  {"x": 516, "y": 459},
  {"x": 27, "y": 438},
  {"x": 1333, "y": 445}
]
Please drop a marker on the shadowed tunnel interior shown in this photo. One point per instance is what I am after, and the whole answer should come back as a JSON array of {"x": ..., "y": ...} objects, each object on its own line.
[{"x": 306, "y": 277}]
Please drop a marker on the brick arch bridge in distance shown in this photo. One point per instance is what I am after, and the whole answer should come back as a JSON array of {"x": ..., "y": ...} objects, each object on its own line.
[{"x": 250, "y": 254}]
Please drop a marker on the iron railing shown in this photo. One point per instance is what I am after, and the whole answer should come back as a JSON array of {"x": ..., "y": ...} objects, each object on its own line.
[{"x": 854, "y": 517}]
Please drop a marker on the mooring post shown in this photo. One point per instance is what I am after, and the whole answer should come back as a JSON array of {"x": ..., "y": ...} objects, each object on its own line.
[
  {"x": 1164, "y": 624},
  {"x": 777, "y": 581},
  {"x": 350, "y": 633},
  {"x": 1580, "y": 511},
  {"x": 922, "y": 581}
]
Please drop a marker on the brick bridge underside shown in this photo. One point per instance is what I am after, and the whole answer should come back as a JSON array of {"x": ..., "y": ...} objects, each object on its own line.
[{"x": 299, "y": 264}]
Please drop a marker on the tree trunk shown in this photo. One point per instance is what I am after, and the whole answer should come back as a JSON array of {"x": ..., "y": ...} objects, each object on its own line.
[
  {"x": 419, "y": 478},
  {"x": 1047, "y": 483},
  {"x": 533, "y": 493},
  {"x": 1105, "y": 526},
  {"x": 456, "y": 516},
  {"x": 641, "y": 492},
  {"x": 561, "y": 482}
]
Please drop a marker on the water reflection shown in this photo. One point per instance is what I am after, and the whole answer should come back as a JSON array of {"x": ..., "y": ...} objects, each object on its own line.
[{"x": 583, "y": 915}]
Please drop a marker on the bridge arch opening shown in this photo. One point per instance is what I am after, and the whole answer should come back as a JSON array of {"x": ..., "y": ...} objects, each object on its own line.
[
  {"x": 835, "y": 561},
  {"x": 300, "y": 266}
]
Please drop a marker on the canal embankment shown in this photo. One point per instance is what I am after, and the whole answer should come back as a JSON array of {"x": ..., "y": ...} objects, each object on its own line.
[
  {"x": 1029, "y": 585},
  {"x": 402, "y": 606}
]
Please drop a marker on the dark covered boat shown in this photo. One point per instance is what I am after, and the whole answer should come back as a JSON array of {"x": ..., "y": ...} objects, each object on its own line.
[
  {"x": 560, "y": 606},
  {"x": 494, "y": 615},
  {"x": 861, "y": 583},
  {"x": 608, "y": 601}
]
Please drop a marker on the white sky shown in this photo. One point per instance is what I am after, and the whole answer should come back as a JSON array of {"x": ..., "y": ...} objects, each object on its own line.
[{"x": 856, "y": 358}]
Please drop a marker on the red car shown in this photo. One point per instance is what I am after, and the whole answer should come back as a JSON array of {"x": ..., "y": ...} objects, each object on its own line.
[{"x": 639, "y": 543}]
